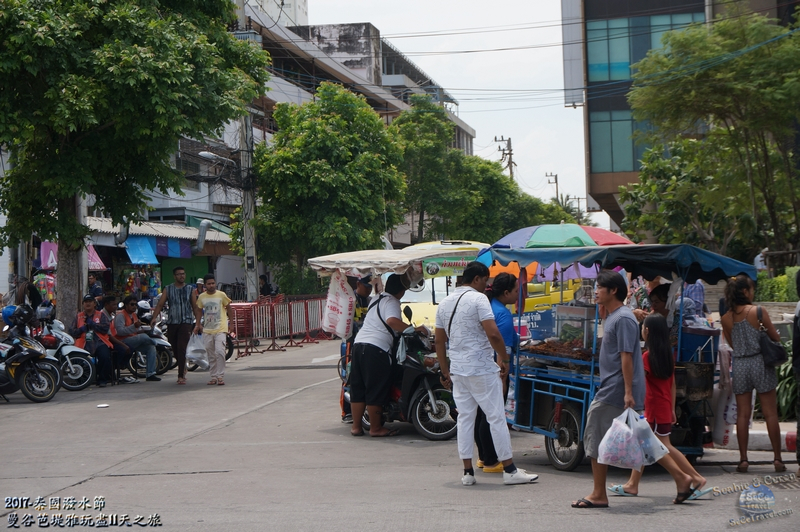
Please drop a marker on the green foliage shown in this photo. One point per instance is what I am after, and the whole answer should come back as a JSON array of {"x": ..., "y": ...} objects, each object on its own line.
[
  {"x": 737, "y": 78},
  {"x": 94, "y": 96},
  {"x": 690, "y": 191},
  {"x": 304, "y": 281},
  {"x": 329, "y": 183},
  {"x": 787, "y": 389},
  {"x": 425, "y": 133},
  {"x": 791, "y": 275},
  {"x": 775, "y": 289}
]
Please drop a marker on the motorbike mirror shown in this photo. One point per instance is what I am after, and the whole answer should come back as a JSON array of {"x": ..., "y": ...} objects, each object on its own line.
[
  {"x": 5, "y": 328},
  {"x": 407, "y": 312}
]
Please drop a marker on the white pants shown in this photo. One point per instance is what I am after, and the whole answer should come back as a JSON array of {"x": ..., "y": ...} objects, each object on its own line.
[
  {"x": 215, "y": 348},
  {"x": 486, "y": 392}
]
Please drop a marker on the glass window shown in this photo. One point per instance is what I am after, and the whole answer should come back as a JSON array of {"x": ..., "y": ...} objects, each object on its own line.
[
  {"x": 597, "y": 54},
  {"x": 600, "y": 134},
  {"x": 683, "y": 19},
  {"x": 619, "y": 53},
  {"x": 622, "y": 145}
]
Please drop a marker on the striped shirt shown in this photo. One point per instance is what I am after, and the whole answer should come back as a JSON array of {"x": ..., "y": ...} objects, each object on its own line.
[{"x": 180, "y": 304}]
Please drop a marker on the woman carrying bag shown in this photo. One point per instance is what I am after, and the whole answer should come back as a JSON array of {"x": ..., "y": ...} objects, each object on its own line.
[{"x": 741, "y": 328}]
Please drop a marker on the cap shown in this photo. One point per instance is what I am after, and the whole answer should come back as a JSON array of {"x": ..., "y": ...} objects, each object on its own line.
[
  {"x": 87, "y": 297},
  {"x": 365, "y": 280}
]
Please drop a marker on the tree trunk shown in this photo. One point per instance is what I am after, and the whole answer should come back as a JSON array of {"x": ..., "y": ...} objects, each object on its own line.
[
  {"x": 421, "y": 228},
  {"x": 69, "y": 276}
]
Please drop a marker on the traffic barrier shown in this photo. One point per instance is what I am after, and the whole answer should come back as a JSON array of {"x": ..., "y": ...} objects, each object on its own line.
[
  {"x": 315, "y": 308},
  {"x": 243, "y": 328},
  {"x": 297, "y": 323},
  {"x": 264, "y": 325}
]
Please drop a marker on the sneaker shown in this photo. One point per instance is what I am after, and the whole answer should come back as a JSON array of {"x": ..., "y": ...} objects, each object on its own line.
[
  {"x": 347, "y": 418},
  {"x": 128, "y": 380},
  {"x": 494, "y": 469},
  {"x": 153, "y": 378},
  {"x": 468, "y": 480},
  {"x": 520, "y": 476}
]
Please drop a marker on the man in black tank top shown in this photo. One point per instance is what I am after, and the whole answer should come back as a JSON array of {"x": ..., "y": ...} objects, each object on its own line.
[{"x": 180, "y": 316}]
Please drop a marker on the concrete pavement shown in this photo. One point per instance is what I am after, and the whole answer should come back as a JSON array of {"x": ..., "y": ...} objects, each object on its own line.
[{"x": 267, "y": 452}]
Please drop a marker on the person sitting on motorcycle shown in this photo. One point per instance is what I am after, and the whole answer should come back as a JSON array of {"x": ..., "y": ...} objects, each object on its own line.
[
  {"x": 372, "y": 361},
  {"x": 90, "y": 330},
  {"x": 121, "y": 352},
  {"x": 129, "y": 330}
]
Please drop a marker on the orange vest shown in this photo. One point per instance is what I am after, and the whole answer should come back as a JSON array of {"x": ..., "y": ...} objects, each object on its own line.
[
  {"x": 81, "y": 341},
  {"x": 128, "y": 323}
]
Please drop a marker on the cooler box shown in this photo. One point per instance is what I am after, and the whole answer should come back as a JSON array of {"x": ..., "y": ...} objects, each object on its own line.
[
  {"x": 537, "y": 324},
  {"x": 698, "y": 344}
]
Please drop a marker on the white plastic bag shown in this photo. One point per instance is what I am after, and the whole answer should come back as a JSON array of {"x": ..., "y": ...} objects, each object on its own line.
[
  {"x": 652, "y": 448},
  {"x": 196, "y": 352},
  {"x": 730, "y": 410},
  {"x": 619, "y": 447},
  {"x": 722, "y": 429},
  {"x": 339, "y": 307}
]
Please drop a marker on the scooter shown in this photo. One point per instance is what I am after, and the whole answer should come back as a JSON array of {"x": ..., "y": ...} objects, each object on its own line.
[
  {"x": 419, "y": 396},
  {"x": 24, "y": 363},
  {"x": 77, "y": 369},
  {"x": 137, "y": 364}
]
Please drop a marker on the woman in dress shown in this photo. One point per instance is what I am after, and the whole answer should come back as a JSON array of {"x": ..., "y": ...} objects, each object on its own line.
[{"x": 741, "y": 328}]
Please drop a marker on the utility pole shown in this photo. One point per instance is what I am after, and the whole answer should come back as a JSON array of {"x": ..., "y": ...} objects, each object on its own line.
[
  {"x": 508, "y": 154},
  {"x": 553, "y": 182}
]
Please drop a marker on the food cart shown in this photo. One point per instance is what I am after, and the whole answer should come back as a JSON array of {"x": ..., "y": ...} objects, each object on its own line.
[{"x": 555, "y": 380}]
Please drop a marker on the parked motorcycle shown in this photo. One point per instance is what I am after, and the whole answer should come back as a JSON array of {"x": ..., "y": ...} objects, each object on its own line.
[
  {"x": 24, "y": 363},
  {"x": 420, "y": 398},
  {"x": 137, "y": 364},
  {"x": 77, "y": 369}
]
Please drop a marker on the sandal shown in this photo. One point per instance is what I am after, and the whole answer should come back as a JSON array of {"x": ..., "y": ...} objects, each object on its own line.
[
  {"x": 779, "y": 466},
  {"x": 181, "y": 380},
  {"x": 220, "y": 382},
  {"x": 682, "y": 496},
  {"x": 212, "y": 381},
  {"x": 742, "y": 467}
]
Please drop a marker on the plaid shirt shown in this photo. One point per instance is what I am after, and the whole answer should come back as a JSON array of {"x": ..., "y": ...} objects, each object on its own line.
[{"x": 697, "y": 293}]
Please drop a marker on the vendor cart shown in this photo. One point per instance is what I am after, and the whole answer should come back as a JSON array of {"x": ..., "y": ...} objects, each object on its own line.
[{"x": 555, "y": 381}]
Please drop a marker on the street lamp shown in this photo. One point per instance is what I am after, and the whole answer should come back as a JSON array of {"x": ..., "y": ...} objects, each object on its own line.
[{"x": 248, "y": 213}]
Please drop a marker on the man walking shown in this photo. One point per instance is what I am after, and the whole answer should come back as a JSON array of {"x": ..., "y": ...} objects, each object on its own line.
[
  {"x": 213, "y": 306},
  {"x": 180, "y": 315},
  {"x": 622, "y": 380},
  {"x": 465, "y": 318},
  {"x": 128, "y": 328}
]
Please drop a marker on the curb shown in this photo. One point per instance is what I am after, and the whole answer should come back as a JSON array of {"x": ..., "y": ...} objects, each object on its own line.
[{"x": 759, "y": 441}]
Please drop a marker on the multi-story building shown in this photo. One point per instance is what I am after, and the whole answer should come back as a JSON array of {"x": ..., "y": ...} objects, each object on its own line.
[{"x": 602, "y": 39}]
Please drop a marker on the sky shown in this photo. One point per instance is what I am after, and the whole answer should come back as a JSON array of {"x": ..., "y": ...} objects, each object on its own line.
[{"x": 546, "y": 136}]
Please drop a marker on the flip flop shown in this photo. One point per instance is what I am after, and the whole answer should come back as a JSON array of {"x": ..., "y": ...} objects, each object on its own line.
[
  {"x": 682, "y": 497},
  {"x": 387, "y": 434},
  {"x": 697, "y": 493},
  {"x": 357, "y": 433},
  {"x": 585, "y": 503},
  {"x": 617, "y": 489}
]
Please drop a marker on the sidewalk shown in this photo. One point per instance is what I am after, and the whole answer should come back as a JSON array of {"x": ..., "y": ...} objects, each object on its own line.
[{"x": 759, "y": 439}]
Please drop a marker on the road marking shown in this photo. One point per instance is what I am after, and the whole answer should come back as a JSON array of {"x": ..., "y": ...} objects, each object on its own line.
[{"x": 325, "y": 359}]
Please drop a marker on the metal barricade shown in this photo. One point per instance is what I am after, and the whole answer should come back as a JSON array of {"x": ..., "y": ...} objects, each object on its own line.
[
  {"x": 264, "y": 325},
  {"x": 243, "y": 328},
  {"x": 315, "y": 308}
]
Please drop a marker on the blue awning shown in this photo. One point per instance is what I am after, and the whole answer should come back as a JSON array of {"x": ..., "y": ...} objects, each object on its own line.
[{"x": 140, "y": 251}]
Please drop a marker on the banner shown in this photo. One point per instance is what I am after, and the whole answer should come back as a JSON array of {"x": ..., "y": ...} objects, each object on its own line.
[
  {"x": 450, "y": 267},
  {"x": 337, "y": 318},
  {"x": 49, "y": 257}
]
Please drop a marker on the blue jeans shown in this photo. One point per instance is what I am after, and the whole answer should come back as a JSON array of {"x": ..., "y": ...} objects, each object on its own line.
[{"x": 142, "y": 342}]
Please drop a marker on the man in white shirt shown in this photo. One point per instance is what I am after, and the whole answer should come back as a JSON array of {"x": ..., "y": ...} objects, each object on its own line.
[
  {"x": 373, "y": 360},
  {"x": 465, "y": 318}
]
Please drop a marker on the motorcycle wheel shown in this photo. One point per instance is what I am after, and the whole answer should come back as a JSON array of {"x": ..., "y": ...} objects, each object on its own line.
[
  {"x": 37, "y": 384},
  {"x": 441, "y": 425},
  {"x": 566, "y": 451},
  {"x": 81, "y": 375},
  {"x": 164, "y": 360},
  {"x": 137, "y": 364},
  {"x": 53, "y": 368}
]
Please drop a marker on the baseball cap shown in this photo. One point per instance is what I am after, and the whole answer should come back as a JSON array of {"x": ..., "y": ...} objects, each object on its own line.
[
  {"x": 87, "y": 297},
  {"x": 365, "y": 280}
]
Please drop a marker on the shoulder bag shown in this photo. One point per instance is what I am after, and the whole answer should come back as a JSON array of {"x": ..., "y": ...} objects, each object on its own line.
[
  {"x": 398, "y": 350},
  {"x": 773, "y": 352}
]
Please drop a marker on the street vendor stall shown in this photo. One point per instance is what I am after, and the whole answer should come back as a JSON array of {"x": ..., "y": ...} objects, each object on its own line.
[{"x": 555, "y": 380}]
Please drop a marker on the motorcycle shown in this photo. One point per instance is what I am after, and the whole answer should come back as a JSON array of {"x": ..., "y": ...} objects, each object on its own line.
[
  {"x": 77, "y": 369},
  {"x": 24, "y": 363},
  {"x": 419, "y": 397},
  {"x": 137, "y": 364}
]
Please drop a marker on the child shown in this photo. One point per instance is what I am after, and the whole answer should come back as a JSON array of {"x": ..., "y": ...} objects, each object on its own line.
[{"x": 659, "y": 410}]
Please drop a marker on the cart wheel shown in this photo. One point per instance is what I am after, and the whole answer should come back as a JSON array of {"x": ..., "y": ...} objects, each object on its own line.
[{"x": 566, "y": 451}]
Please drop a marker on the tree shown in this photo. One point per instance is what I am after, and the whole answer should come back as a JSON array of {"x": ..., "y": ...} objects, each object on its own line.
[
  {"x": 740, "y": 77},
  {"x": 95, "y": 94},
  {"x": 425, "y": 132},
  {"x": 694, "y": 194},
  {"x": 484, "y": 204},
  {"x": 566, "y": 203},
  {"x": 329, "y": 183}
]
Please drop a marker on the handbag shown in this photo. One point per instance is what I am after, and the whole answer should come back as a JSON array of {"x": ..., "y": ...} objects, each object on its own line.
[{"x": 773, "y": 352}]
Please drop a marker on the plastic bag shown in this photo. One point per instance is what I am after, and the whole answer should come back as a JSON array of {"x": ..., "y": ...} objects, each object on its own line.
[
  {"x": 619, "y": 447},
  {"x": 722, "y": 429},
  {"x": 652, "y": 448},
  {"x": 196, "y": 352},
  {"x": 511, "y": 401}
]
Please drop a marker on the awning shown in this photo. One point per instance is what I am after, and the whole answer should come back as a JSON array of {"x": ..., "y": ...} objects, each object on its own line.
[
  {"x": 140, "y": 251},
  {"x": 49, "y": 257}
]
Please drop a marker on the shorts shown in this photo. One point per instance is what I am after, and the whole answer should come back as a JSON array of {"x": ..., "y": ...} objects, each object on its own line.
[
  {"x": 661, "y": 429},
  {"x": 598, "y": 420},
  {"x": 750, "y": 373},
  {"x": 370, "y": 375}
]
